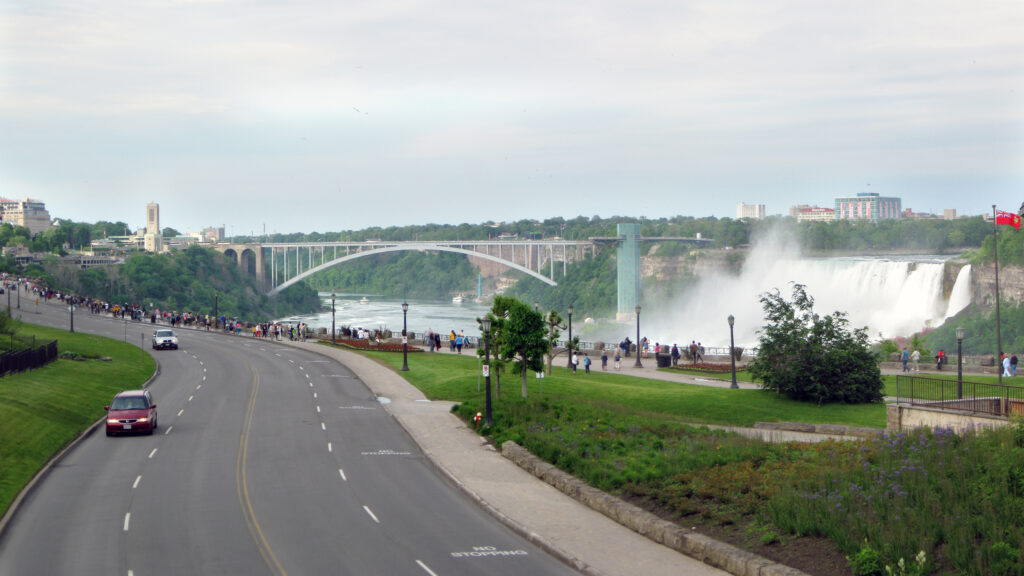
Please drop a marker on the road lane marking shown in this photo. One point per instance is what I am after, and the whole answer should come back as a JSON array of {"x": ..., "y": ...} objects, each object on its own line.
[
  {"x": 292, "y": 361},
  {"x": 314, "y": 394},
  {"x": 200, "y": 362},
  {"x": 127, "y": 520},
  {"x": 323, "y": 426},
  {"x": 342, "y": 472},
  {"x": 180, "y": 411},
  {"x": 136, "y": 483},
  {"x": 370, "y": 512},
  {"x": 153, "y": 453},
  {"x": 190, "y": 398},
  {"x": 330, "y": 447},
  {"x": 425, "y": 569},
  {"x": 199, "y": 386},
  {"x": 318, "y": 409},
  {"x": 204, "y": 378},
  {"x": 168, "y": 431}
]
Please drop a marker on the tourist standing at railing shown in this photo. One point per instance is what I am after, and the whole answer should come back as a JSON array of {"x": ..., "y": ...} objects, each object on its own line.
[{"x": 915, "y": 357}]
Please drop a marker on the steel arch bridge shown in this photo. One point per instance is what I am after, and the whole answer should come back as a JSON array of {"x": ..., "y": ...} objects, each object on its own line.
[{"x": 291, "y": 262}]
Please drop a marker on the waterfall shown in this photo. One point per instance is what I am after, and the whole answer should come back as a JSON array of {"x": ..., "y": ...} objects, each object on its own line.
[{"x": 890, "y": 297}]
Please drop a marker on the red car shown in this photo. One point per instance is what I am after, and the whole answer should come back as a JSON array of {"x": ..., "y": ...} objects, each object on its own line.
[{"x": 131, "y": 411}]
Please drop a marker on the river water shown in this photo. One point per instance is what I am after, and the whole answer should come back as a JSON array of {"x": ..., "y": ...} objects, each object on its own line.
[{"x": 380, "y": 312}]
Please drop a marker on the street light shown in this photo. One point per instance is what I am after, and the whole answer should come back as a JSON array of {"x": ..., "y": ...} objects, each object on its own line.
[
  {"x": 569, "y": 343},
  {"x": 959, "y": 363},
  {"x": 485, "y": 323},
  {"x": 334, "y": 339},
  {"x": 638, "y": 364},
  {"x": 405, "y": 339},
  {"x": 72, "y": 313},
  {"x": 732, "y": 352}
]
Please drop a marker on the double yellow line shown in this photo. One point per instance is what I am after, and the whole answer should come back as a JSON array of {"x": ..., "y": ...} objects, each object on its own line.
[{"x": 243, "y": 487}]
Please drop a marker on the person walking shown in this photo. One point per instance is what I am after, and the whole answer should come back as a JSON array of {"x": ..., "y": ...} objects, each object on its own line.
[
  {"x": 904, "y": 357},
  {"x": 915, "y": 357},
  {"x": 1006, "y": 365},
  {"x": 940, "y": 359},
  {"x": 675, "y": 355},
  {"x": 586, "y": 363},
  {"x": 604, "y": 360},
  {"x": 575, "y": 361},
  {"x": 1013, "y": 364}
]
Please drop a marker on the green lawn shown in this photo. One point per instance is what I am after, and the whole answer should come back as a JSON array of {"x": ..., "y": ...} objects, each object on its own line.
[
  {"x": 42, "y": 410},
  {"x": 455, "y": 378}
]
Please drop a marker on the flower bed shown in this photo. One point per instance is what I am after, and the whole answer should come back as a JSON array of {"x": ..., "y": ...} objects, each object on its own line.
[
  {"x": 370, "y": 345},
  {"x": 707, "y": 367}
]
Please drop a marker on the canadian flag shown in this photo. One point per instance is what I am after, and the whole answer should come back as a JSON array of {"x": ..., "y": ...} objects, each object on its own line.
[{"x": 1008, "y": 218}]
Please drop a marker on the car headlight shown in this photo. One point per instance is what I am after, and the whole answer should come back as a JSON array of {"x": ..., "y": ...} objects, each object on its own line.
[
  {"x": 111, "y": 420},
  {"x": 143, "y": 419}
]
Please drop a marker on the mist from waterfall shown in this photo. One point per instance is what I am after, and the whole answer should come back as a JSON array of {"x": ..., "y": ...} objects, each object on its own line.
[{"x": 890, "y": 296}]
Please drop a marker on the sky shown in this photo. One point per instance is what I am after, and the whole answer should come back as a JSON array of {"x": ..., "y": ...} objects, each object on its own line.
[{"x": 302, "y": 116}]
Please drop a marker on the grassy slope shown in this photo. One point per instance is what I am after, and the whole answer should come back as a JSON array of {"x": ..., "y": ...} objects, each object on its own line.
[{"x": 42, "y": 410}]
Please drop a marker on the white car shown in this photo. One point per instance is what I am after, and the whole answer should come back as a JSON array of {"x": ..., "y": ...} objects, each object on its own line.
[{"x": 163, "y": 339}]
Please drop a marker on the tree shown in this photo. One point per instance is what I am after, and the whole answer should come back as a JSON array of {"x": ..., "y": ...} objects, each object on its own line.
[
  {"x": 553, "y": 323},
  {"x": 521, "y": 335},
  {"x": 811, "y": 358}
]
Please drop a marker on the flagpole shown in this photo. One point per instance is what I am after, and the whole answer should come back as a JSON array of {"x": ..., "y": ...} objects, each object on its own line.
[{"x": 995, "y": 253}]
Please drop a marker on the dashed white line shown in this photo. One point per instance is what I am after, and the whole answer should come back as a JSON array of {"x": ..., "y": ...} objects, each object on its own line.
[
  {"x": 130, "y": 573},
  {"x": 318, "y": 409},
  {"x": 136, "y": 483},
  {"x": 127, "y": 520},
  {"x": 153, "y": 453},
  {"x": 342, "y": 472},
  {"x": 292, "y": 361},
  {"x": 199, "y": 386},
  {"x": 370, "y": 512},
  {"x": 180, "y": 411},
  {"x": 301, "y": 368},
  {"x": 168, "y": 431},
  {"x": 314, "y": 394},
  {"x": 323, "y": 426},
  {"x": 200, "y": 362},
  {"x": 204, "y": 378},
  {"x": 425, "y": 569},
  {"x": 190, "y": 398},
  {"x": 330, "y": 447}
]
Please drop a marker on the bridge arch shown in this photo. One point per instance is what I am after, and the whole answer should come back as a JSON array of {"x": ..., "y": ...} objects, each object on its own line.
[{"x": 414, "y": 247}]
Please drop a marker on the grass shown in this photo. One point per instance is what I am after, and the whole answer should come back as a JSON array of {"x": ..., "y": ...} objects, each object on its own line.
[{"x": 43, "y": 410}]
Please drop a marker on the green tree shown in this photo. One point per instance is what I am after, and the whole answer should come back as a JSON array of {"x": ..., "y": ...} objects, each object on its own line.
[
  {"x": 521, "y": 335},
  {"x": 811, "y": 358}
]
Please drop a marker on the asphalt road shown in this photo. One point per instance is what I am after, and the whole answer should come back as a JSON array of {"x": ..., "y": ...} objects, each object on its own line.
[{"x": 268, "y": 460}]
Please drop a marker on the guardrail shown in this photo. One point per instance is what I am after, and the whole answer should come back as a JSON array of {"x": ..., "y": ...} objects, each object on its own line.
[{"x": 965, "y": 396}]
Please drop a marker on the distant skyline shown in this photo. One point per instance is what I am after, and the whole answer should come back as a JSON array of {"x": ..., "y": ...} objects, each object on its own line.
[{"x": 325, "y": 116}]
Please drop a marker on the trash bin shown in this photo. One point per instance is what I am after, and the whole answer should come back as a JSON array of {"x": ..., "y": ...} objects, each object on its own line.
[{"x": 664, "y": 360}]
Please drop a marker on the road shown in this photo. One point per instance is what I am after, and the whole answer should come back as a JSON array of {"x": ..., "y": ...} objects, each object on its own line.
[{"x": 268, "y": 460}]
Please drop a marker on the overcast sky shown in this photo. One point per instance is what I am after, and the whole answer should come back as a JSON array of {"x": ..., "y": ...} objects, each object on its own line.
[{"x": 306, "y": 116}]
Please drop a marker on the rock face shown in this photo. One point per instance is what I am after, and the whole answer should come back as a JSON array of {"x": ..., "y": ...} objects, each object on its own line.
[{"x": 983, "y": 285}]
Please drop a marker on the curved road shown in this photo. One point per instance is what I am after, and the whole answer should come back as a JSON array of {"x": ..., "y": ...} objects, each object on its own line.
[{"x": 268, "y": 460}]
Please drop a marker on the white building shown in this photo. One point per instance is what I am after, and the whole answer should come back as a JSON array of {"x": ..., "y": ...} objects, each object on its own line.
[
  {"x": 29, "y": 213},
  {"x": 806, "y": 213},
  {"x": 752, "y": 211}
]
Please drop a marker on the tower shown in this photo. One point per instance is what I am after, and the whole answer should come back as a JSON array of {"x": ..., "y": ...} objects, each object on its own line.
[{"x": 153, "y": 218}]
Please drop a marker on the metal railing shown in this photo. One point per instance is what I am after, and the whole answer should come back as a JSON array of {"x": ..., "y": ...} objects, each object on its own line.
[
  {"x": 22, "y": 360},
  {"x": 965, "y": 396}
]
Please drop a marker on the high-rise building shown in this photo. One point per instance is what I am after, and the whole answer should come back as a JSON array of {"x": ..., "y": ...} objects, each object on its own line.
[
  {"x": 754, "y": 211},
  {"x": 868, "y": 206},
  {"x": 29, "y": 213}
]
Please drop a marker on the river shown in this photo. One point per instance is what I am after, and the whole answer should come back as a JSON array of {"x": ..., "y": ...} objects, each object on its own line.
[{"x": 381, "y": 312}]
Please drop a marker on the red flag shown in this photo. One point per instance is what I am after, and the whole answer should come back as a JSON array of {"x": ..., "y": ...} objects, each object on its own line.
[{"x": 1008, "y": 218}]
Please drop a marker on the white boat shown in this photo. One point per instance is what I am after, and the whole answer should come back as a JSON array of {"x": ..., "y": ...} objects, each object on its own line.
[
  {"x": 457, "y": 299},
  {"x": 365, "y": 300}
]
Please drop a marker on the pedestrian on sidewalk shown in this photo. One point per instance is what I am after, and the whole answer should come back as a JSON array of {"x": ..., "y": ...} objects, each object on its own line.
[
  {"x": 915, "y": 357},
  {"x": 1013, "y": 364},
  {"x": 604, "y": 360},
  {"x": 904, "y": 357},
  {"x": 586, "y": 363},
  {"x": 618, "y": 359},
  {"x": 575, "y": 361}
]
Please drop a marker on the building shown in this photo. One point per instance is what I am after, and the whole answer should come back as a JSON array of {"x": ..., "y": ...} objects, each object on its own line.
[
  {"x": 806, "y": 213},
  {"x": 213, "y": 235},
  {"x": 868, "y": 206},
  {"x": 29, "y": 213},
  {"x": 949, "y": 214},
  {"x": 153, "y": 218},
  {"x": 752, "y": 211}
]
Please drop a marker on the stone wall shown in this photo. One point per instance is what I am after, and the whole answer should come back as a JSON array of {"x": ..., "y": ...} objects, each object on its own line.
[{"x": 983, "y": 285}]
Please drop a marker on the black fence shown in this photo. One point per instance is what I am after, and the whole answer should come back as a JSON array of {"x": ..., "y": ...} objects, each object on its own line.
[
  {"x": 944, "y": 394},
  {"x": 27, "y": 359}
]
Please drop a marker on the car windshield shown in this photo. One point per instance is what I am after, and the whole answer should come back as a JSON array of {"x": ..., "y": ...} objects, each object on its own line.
[
  {"x": 164, "y": 333},
  {"x": 128, "y": 403}
]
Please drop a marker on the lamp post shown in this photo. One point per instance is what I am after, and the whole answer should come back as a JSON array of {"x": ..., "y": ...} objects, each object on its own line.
[
  {"x": 568, "y": 345},
  {"x": 959, "y": 363},
  {"x": 72, "y": 313},
  {"x": 18, "y": 286},
  {"x": 405, "y": 339},
  {"x": 732, "y": 352},
  {"x": 334, "y": 339},
  {"x": 638, "y": 364},
  {"x": 485, "y": 323},
  {"x": 216, "y": 318}
]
